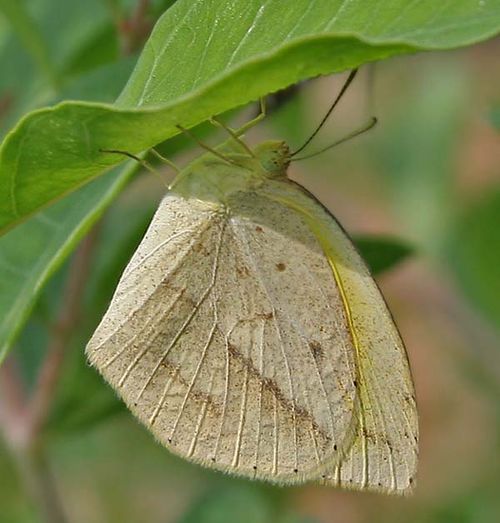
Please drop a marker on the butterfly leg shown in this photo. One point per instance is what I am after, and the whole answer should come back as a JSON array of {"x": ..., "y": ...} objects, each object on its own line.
[
  {"x": 165, "y": 160},
  {"x": 252, "y": 123},
  {"x": 205, "y": 146},
  {"x": 236, "y": 133},
  {"x": 218, "y": 123}
]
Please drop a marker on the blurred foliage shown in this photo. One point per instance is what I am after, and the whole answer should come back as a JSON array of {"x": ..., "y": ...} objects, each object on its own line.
[
  {"x": 416, "y": 154},
  {"x": 108, "y": 468},
  {"x": 495, "y": 117},
  {"x": 238, "y": 502},
  {"x": 474, "y": 252},
  {"x": 381, "y": 253}
]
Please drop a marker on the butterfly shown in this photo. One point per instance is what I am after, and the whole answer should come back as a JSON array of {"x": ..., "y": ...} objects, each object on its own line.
[{"x": 248, "y": 335}]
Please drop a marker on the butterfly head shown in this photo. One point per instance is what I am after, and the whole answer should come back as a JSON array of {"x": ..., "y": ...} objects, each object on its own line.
[{"x": 274, "y": 156}]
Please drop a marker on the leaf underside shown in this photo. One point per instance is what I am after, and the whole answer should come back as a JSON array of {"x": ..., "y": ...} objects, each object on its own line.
[{"x": 199, "y": 62}]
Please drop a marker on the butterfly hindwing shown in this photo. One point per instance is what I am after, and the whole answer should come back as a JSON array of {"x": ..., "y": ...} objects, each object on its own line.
[{"x": 384, "y": 454}]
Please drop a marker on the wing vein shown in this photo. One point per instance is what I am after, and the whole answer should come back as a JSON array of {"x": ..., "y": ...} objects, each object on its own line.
[
  {"x": 195, "y": 375},
  {"x": 261, "y": 390},
  {"x": 201, "y": 417},
  {"x": 141, "y": 354},
  {"x": 193, "y": 313},
  {"x": 280, "y": 337},
  {"x": 166, "y": 276}
]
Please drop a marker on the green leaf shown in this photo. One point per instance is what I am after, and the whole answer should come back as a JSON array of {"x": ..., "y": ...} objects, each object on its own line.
[
  {"x": 66, "y": 31},
  {"x": 100, "y": 49},
  {"x": 474, "y": 254},
  {"x": 68, "y": 27},
  {"x": 382, "y": 253},
  {"x": 495, "y": 118},
  {"x": 32, "y": 252},
  {"x": 30, "y": 36},
  {"x": 205, "y": 57},
  {"x": 102, "y": 84},
  {"x": 244, "y": 503}
]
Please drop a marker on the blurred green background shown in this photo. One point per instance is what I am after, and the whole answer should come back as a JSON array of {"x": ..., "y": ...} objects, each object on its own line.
[{"x": 429, "y": 173}]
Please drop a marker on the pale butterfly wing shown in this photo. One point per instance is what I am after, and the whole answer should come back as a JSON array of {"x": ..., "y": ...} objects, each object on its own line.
[
  {"x": 249, "y": 336},
  {"x": 384, "y": 454},
  {"x": 227, "y": 337}
]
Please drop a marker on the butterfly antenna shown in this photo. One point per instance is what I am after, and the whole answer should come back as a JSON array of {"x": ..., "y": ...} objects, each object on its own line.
[
  {"x": 142, "y": 161},
  {"x": 329, "y": 112},
  {"x": 355, "y": 133}
]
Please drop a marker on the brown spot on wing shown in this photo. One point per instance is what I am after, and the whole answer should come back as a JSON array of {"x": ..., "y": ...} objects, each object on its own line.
[
  {"x": 242, "y": 271},
  {"x": 316, "y": 349},
  {"x": 265, "y": 315}
]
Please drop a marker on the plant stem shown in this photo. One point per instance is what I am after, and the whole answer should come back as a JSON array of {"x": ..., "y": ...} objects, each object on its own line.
[
  {"x": 134, "y": 30},
  {"x": 28, "y": 457},
  {"x": 12, "y": 404},
  {"x": 69, "y": 316},
  {"x": 22, "y": 418},
  {"x": 39, "y": 483}
]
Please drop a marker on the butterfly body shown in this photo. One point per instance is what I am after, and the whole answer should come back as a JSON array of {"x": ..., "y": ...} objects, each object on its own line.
[
  {"x": 211, "y": 179},
  {"x": 247, "y": 334}
]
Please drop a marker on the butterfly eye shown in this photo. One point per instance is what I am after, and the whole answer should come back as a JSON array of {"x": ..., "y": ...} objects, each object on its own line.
[{"x": 274, "y": 157}]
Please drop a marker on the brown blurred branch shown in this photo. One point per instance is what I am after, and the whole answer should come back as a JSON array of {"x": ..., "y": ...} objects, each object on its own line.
[
  {"x": 134, "y": 30},
  {"x": 30, "y": 463},
  {"x": 62, "y": 330},
  {"x": 39, "y": 483},
  {"x": 22, "y": 417},
  {"x": 6, "y": 102},
  {"x": 13, "y": 403}
]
